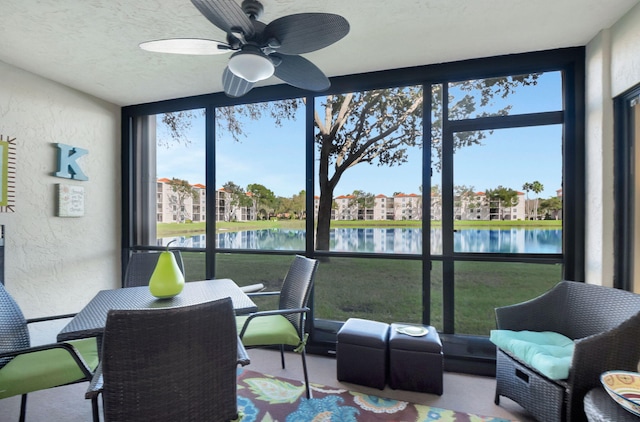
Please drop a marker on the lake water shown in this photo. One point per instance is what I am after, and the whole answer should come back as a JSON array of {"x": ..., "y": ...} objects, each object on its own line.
[{"x": 396, "y": 240}]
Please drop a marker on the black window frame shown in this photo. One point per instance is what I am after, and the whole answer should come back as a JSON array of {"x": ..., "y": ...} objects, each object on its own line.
[
  {"x": 570, "y": 61},
  {"x": 624, "y": 187}
]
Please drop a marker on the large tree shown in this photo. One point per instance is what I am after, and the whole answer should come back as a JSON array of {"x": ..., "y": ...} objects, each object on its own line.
[
  {"x": 504, "y": 197},
  {"x": 374, "y": 127},
  {"x": 463, "y": 200},
  {"x": 362, "y": 201},
  {"x": 264, "y": 198},
  {"x": 238, "y": 198},
  {"x": 181, "y": 191},
  {"x": 298, "y": 204},
  {"x": 551, "y": 208},
  {"x": 436, "y": 202}
]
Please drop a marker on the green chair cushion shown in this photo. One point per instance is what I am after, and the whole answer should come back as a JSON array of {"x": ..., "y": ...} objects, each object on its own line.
[
  {"x": 267, "y": 330},
  {"x": 46, "y": 369},
  {"x": 547, "y": 352}
]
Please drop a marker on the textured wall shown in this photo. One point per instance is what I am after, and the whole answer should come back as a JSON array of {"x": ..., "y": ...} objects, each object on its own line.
[
  {"x": 599, "y": 157},
  {"x": 625, "y": 53},
  {"x": 52, "y": 264},
  {"x": 613, "y": 66}
]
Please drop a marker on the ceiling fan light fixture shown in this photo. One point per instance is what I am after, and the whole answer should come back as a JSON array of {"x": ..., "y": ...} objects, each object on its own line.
[{"x": 251, "y": 65}]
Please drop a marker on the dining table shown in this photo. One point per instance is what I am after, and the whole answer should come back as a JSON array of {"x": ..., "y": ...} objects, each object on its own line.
[{"x": 91, "y": 320}]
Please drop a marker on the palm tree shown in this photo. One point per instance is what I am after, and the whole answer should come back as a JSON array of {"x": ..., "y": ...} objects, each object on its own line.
[
  {"x": 536, "y": 187},
  {"x": 527, "y": 187}
]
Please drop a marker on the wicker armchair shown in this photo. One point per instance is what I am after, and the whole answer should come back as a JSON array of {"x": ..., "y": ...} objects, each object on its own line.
[
  {"x": 285, "y": 325},
  {"x": 170, "y": 364},
  {"x": 605, "y": 325},
  {"x": 141, "y": 266},
  {"x": 25, "y": 368}
]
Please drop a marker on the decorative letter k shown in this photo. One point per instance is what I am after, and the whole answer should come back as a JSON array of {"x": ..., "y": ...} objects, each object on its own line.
[{"x": 67, "y": 166}]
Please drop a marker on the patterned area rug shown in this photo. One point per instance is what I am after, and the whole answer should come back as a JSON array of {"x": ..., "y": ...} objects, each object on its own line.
[{"x": 265, "y": 398}]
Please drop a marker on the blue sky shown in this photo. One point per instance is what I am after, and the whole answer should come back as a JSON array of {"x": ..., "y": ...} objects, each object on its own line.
[{"x": 274, "y": 157}]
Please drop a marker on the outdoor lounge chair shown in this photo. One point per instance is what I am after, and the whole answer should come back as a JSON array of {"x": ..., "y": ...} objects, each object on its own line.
[
  {"x": 286, "y": 325},
  {"x": 25, "y": 369},
  {"x": 604, "y": 324}
]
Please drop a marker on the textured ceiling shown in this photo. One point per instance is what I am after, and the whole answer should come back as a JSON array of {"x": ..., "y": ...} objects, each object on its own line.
[{"x": 92, "y": 45}]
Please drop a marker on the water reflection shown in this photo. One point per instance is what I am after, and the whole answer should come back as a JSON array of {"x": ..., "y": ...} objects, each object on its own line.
[
  {"x": 508, "y": 240},
  {"x": 396, "y": 240}
]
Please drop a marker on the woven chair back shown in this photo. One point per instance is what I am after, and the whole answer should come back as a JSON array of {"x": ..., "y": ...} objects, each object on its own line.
[
  {"x": 581, "y": 300},
  {"x": 14, "y": 333},
  {"x": 141, "y": 266},
  {"x": 171, "y": 364},
  {"x": 296, "y": 288}
]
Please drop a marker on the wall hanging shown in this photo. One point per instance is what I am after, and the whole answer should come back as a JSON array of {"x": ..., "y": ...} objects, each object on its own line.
[
  {"x": 7, "y": 173},
  {"x": 70, "y": 200}
]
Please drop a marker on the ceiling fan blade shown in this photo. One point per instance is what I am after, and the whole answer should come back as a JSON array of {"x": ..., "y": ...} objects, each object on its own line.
[
  {"x": 301, "y": 73},
  {"x": 305, "y": 32},
  {"x": 194, "y": 46},
  {"x": 234, "y": 86},
  {"x": 226, "y": 15}
]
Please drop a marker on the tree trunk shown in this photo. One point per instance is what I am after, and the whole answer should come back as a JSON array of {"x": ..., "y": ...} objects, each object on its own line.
[
  {"x": 327, "y": 185},
  {"x": 324, "y": 220}
]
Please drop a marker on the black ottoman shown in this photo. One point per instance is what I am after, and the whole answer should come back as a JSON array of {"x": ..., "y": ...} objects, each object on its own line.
[
  {"x": 416, "y": 363},
  {"x": 362, "y": 352}
]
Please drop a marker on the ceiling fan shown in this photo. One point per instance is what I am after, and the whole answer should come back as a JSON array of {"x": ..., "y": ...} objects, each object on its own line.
[{"x": 261, "y": 50}]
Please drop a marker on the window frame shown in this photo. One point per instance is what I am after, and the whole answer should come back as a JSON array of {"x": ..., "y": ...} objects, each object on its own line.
[
  {"x": 624, "y": 188},
  {"x": 570, "y": 61}
]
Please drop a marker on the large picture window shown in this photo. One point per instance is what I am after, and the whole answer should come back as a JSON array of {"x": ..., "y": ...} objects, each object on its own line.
[{"x": 438, "y": 233}]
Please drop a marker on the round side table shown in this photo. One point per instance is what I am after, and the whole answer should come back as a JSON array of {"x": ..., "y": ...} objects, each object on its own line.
[{"x": 599, "y": 407}]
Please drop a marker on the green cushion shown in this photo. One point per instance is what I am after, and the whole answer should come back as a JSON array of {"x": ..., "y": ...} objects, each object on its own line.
[
  {"x": 547, "y": 352},
  {"x": 46, "y": 369},
  {"x": 267, "y": 330}
]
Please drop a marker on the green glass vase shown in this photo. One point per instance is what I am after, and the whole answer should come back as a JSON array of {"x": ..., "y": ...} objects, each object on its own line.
[{"x": 167, "y": 280}]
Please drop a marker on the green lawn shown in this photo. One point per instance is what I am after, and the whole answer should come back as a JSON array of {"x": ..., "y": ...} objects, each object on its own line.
[
  {"x": 384, "y": 289},
  {"x": 390, "y": 289}
]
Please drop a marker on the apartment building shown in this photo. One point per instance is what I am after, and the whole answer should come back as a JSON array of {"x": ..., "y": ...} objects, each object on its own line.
[{"x": 173, "y": 207}]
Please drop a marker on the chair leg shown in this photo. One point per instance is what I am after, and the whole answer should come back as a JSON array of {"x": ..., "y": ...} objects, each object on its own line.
[
  {"x": 23, "y": 407},
  {"x": 282, "y": 355},
  {"x": 306, "y": 375},
  {"x": 94, "y": 409}
]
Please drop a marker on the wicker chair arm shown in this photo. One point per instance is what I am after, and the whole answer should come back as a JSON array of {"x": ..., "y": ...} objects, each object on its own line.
[
  {"x": 49, "y": 318},
  {"x": 615, "y": 349},
  {"x": 243, "y": 356},
  {"x": 268, "y": 313},
  {"x": 73, "y": 352},
  {"x": 258, "y": 294},
  {"x": 611, "y": 348},
  {"x": 252, "y": 288},
  {"x": 96, "y": 385}
]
